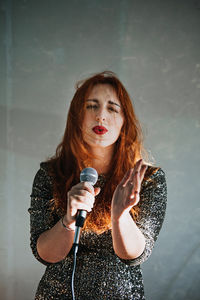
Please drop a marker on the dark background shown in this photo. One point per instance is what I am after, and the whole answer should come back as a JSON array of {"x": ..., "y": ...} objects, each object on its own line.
[{"x": 46, "y": 46}]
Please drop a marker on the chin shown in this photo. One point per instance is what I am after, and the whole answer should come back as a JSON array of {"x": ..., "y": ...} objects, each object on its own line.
[{"x": 99, "y": 142}]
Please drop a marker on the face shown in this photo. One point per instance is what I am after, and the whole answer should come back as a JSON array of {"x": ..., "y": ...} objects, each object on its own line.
[{"x": 103, "y": 117}]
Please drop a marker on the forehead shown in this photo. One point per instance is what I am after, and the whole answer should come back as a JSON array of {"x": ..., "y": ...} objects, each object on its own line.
[{"x": 103, "y": 90}]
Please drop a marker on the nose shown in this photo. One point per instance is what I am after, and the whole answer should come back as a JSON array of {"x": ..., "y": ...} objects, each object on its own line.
[
  {"x": 101, "y": 115},
  {"x": 100, "y": 118}
]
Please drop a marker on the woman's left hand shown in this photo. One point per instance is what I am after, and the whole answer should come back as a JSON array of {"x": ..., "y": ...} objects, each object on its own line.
[{"x": 127, "y": 193}]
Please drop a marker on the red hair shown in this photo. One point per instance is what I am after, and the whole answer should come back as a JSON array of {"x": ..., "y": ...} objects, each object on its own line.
[{"x": 72, "y": 154}]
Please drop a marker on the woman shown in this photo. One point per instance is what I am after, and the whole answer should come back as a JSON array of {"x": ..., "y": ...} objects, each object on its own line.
[{"x": 125, "y": 208}]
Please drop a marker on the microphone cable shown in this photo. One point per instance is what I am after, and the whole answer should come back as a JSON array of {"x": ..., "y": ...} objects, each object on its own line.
[
  {"x": 87, "y": 175},
  {"x": 81, "y": 215},
  {"x": 73, "y": 271}
]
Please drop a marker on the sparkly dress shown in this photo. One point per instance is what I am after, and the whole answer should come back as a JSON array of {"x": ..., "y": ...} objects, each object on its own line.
[{"x": 100, "y": 273}]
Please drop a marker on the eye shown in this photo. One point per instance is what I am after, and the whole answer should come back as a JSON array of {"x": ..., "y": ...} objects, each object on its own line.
[
  {"x": 112, "y": 109},
  {"x": 90, "y": 106}
]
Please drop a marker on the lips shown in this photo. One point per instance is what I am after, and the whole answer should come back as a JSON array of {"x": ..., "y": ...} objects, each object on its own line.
[{"x": 99, "y": 129}]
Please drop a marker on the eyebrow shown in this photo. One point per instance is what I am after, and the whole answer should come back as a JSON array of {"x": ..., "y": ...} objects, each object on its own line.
[{"x": 110, "y": 102}]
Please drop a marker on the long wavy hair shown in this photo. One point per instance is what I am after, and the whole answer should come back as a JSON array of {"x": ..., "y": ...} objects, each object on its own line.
[{"x": 72, "y": 154}]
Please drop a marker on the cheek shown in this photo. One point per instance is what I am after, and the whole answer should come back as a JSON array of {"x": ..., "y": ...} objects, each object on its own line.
[
  {"x": 118, "y": 122},
  {"x": 117, "y": 126},
  {"x": 86, "y": 120},
  {"x": 83, "y": 124}
]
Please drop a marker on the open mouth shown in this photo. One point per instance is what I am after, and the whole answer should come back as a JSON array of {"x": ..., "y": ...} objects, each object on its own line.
[{"x": 99, "y": 130}]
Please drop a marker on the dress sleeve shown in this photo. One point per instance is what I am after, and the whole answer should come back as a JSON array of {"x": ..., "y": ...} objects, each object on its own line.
[
  {"x": 152, "y": 207},
  {"x": 41, "y": 216}
]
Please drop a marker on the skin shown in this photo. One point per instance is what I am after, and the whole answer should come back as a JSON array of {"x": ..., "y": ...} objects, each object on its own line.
[
  {"x": 102, "y": 108},
  {"x": 128, "y": 240}
]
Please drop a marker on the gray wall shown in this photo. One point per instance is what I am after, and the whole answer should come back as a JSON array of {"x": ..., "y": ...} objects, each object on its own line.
[{"x": 154, "y": 47}]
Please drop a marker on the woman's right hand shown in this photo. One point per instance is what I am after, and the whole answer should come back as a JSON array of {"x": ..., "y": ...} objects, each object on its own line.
[{"x": 81, "y": 196}]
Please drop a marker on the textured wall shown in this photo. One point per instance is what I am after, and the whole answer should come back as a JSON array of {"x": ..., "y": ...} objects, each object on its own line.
[{"x": 154, "y": 47}]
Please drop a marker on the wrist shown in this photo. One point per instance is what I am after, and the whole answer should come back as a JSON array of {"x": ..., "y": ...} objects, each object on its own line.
[
  {"x": 122, "y": 218},
  {"x": 66, "y": 225}
]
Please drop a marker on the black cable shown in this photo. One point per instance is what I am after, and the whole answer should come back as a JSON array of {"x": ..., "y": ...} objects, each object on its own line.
[
  {"x": 79, "y": 224},
  {"x": 87, "y": 175},
  {"x": 75, "y": 248}
]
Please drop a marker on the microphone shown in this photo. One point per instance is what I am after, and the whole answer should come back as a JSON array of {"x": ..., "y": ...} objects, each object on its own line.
[{"x": 87, "y": 175}]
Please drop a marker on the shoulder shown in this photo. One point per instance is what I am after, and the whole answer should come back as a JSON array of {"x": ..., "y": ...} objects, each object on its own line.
[
  {"x": 154, "y": 190},
  {"x": 154, "y": 172},
  {"x": 45, "y": 166},
  {"x": 154, "y": 176},
  {"x": 44, "y": 171},
  {"x": 43, "y": 179}
]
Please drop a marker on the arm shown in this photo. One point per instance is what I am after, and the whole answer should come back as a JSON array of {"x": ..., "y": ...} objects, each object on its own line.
[
  {"x": 152, "y": 206},
  {"x": 54, "y": 244},
  {"x": 45, "y": 226},
  {"x": 50, "y": 241},
  {"x": 128, "y": 240}
]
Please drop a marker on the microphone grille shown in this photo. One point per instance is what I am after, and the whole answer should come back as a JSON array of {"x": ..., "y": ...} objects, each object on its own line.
[{"x": 89, "y": 175}]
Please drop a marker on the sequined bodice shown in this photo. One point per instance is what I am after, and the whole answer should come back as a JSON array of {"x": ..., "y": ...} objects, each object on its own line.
[{"x": 100, "y": 274}]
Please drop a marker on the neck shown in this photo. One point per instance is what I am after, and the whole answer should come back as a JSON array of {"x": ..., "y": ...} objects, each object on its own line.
[{"x": 102, "y": 160}]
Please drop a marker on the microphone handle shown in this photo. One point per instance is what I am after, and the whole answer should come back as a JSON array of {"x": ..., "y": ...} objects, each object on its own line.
[
  {"x": 80, "y": 219},
  {"x": 81, "y": 214}
]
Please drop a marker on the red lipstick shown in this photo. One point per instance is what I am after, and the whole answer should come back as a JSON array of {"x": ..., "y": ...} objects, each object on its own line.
[{"x": 99, "y": 129}]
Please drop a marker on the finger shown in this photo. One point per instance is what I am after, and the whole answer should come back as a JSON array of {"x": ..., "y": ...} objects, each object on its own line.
[
  {"x": 134, "y": 180},
  {"x": 137, "y": 197},
  {"x": 84, "y": 186},
  {"x": 84, "y": 196},
  {"x": 88, "y": 186},
  {"x": 130, "y": 173},
  {"x": 97, "y": 191},
  {"x": 80, "y": 202},
  {"x": 138, "y": 173},
  {"x": 138, "y": 164},
  {"x": 84, "y": 206},
  {"x": 135, "y": 194},
  {"x": 142, "y": 171},
  {"x": 126, "y": 177},
  {"x": 136, "y": 169},
  {"x": 135, "y": 185},
  {"x": 78, "y": 193}
]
